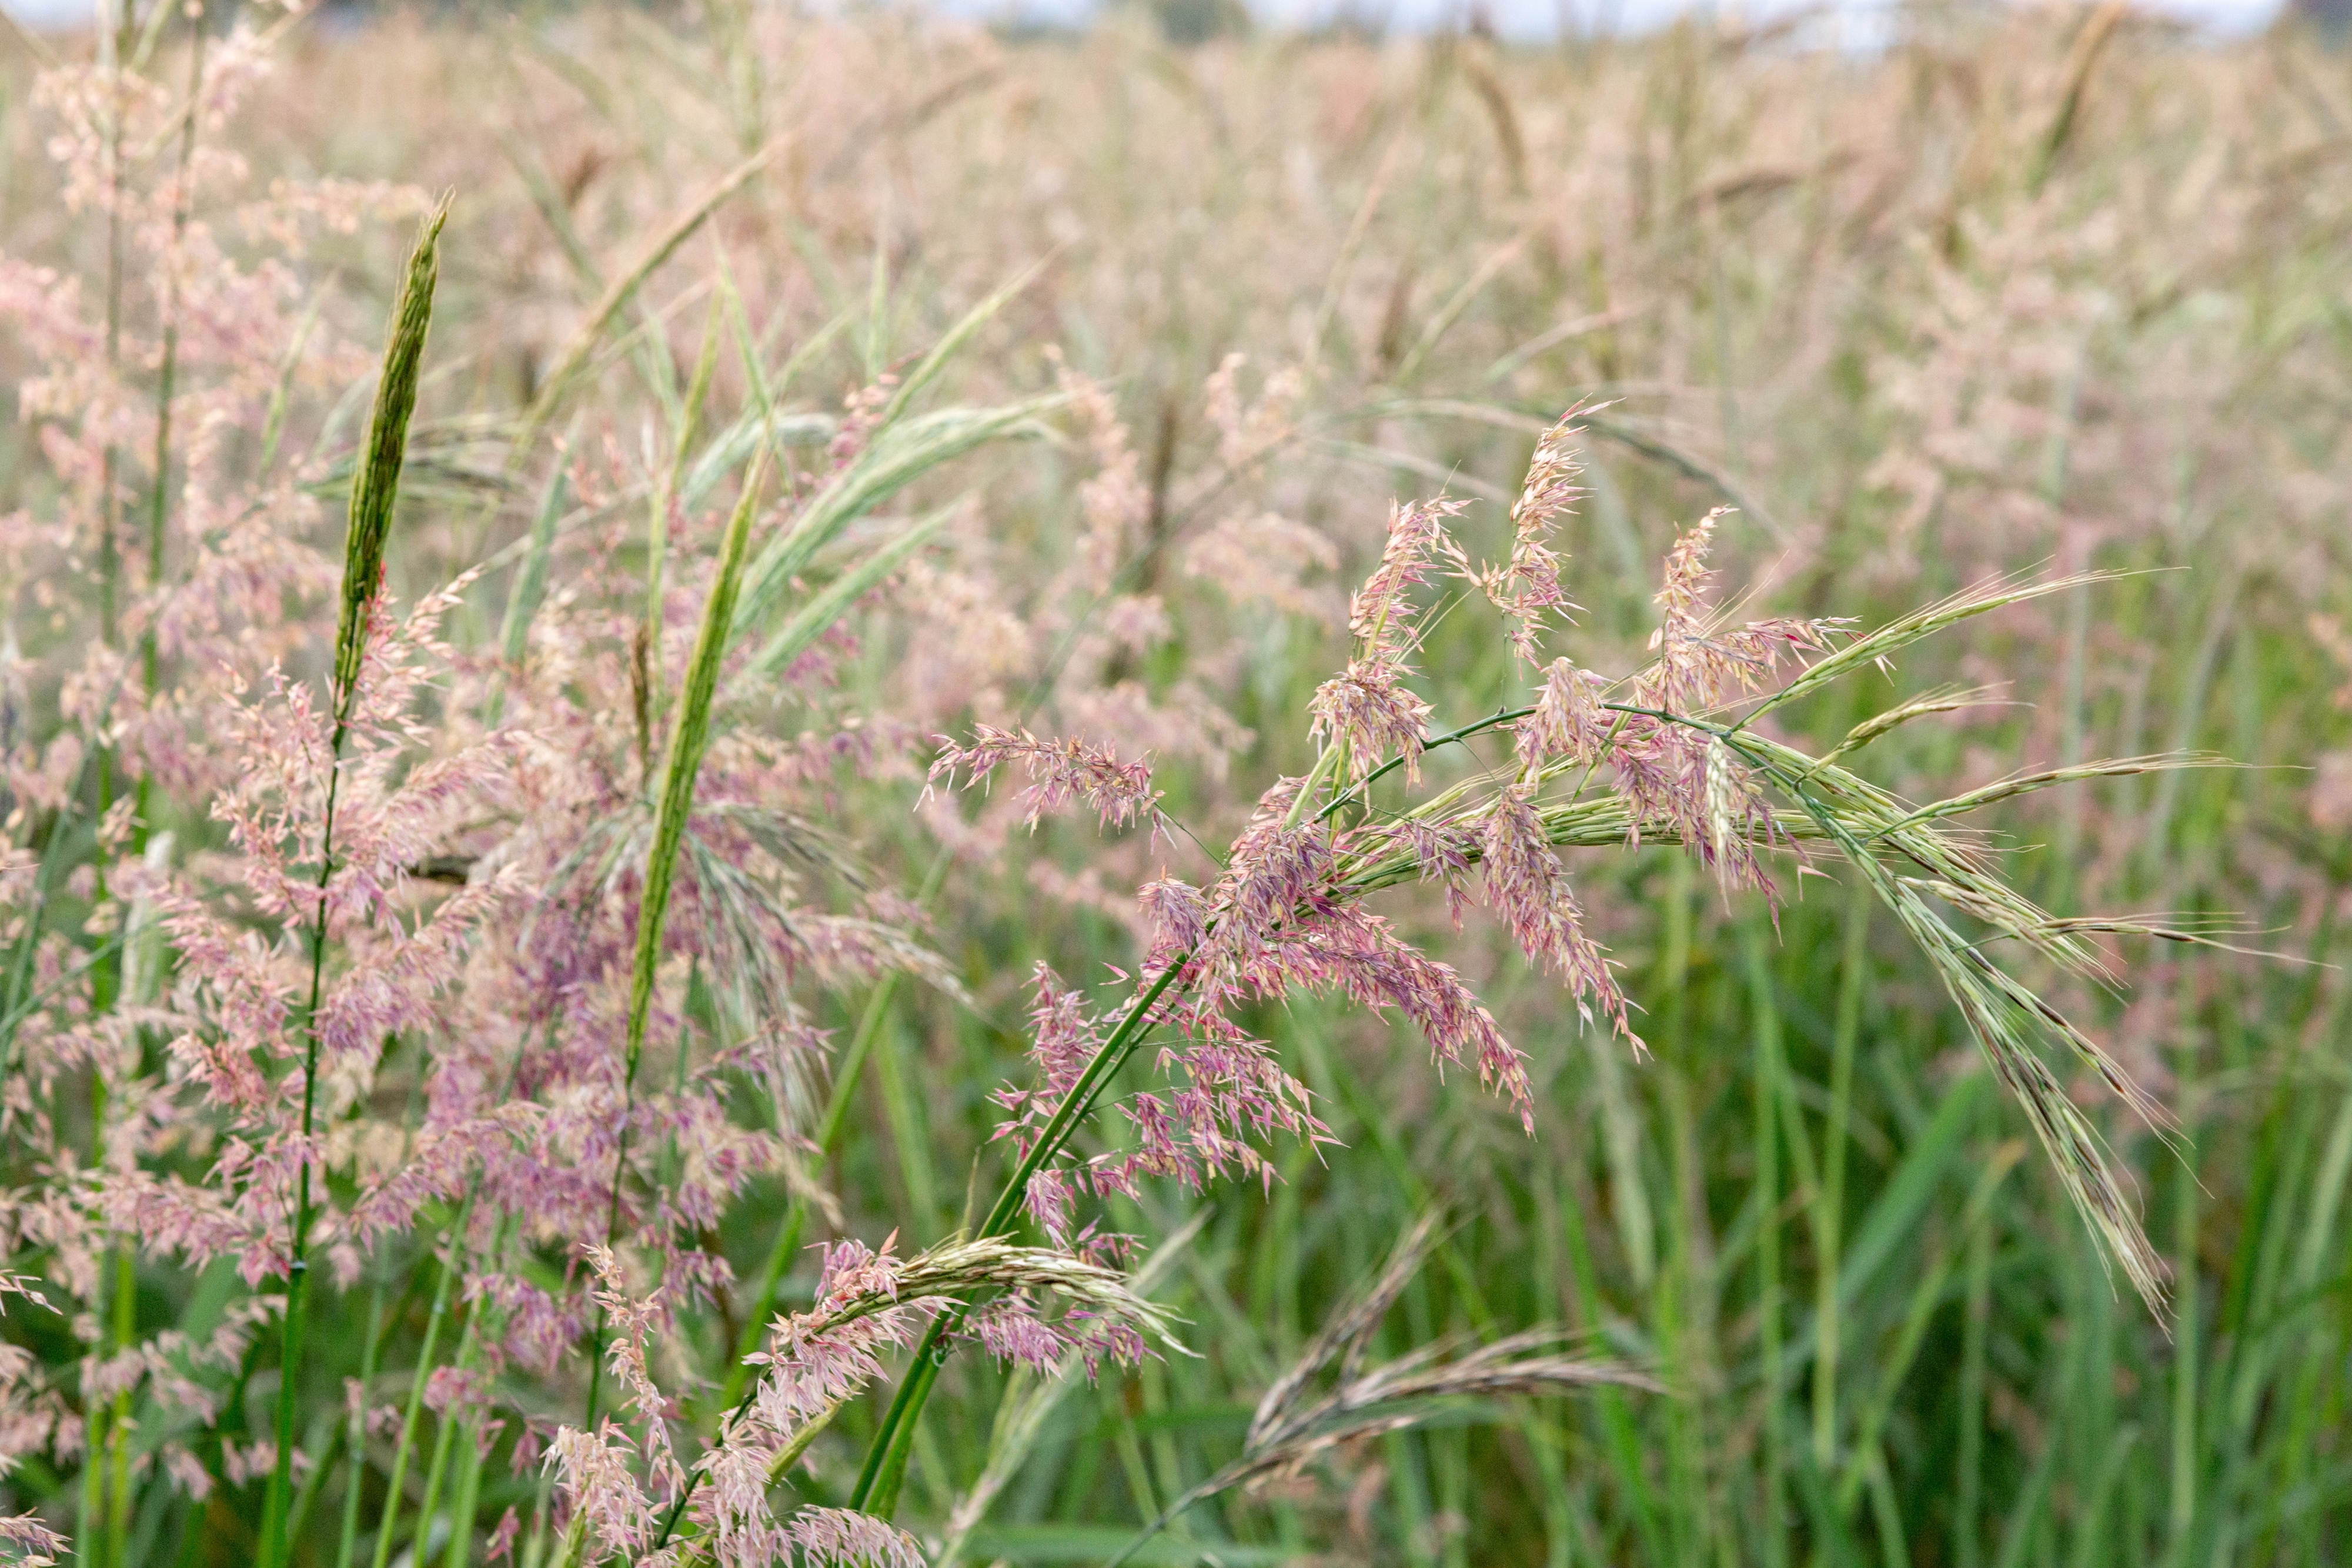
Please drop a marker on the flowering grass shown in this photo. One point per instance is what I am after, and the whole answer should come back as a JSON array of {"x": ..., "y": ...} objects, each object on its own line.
[{"x": 969, "y": 832}]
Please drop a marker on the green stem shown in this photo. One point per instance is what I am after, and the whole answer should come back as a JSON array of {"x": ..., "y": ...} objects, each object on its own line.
[
  {"x": 348, "y": 1543},
  {"x": 443, "y": 1439},
  {"x": 575, "y": 1536},
  {"x": 1767, "y": 1235},
  {"x": 315, "y": 1482},
  {"x": 90, "y": 1503},
  {"x": 118, "y": 1436},
  {"x": 904, "y": 1116},
  {"x": 1968, "y": 1545},
  {"x": 391, "y": 1515},
  {"x": 1831, "y": 1207},
  {"x": 612, "y": 1230},
  {"x": 876, "y": 1490},
  {"x": 470, "y": 1497},
  {"x": 534, "y": 1549},
  {"x": 452, "y": 1428},
  {"x": 298, "y": 1278},
  {"x": 2183, "y": 1492}
]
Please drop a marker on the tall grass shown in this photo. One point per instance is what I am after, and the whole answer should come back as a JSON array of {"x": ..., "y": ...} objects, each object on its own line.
[{"x": 2049, "y": 301}]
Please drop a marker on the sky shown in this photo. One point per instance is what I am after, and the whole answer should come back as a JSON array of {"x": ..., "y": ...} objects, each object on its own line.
[
  {"x": 1852, "y": 23},
  {"x": 1848, "y": 23}
]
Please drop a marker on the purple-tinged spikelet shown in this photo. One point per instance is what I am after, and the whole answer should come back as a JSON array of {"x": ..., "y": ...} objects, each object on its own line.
[
  {"x": 1059, "y": 772},
  {"x": 1527, "y": 588}
]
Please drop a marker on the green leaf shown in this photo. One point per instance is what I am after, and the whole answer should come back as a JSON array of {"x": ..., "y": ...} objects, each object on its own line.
[
  {"x": 1094, "y": 1544},
  {"x": 835, "y": 598}
]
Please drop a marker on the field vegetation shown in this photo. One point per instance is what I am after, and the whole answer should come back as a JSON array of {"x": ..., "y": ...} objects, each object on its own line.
[{"x": 787, "y": 789}]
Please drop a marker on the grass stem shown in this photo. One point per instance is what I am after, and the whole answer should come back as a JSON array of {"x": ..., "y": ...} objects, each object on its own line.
[
  {"x": 374, "y": 491},
  {"x": 1830, "y": 1208}
]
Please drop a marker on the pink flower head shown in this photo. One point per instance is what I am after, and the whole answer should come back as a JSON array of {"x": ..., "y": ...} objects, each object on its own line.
[
  {"x": 593, "y": 1470},
  {"x": 1059, "y": 773},
  {"x": 1382, "y": 617},
  {"x": 1568, "y": 721},
  {"x": 1369, "y": 712},
  {"x": 839, "y": 1538},
  {"x": 1702, "y": 662},
  {"x": 1527, "y": 588},
  {"x": 1279, "y": 871},
  {"x": 1526, "y": 885},
  {"x": 1179, "y": 915}
]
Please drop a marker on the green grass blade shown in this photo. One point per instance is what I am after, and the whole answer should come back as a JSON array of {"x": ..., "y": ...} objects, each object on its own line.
[
  {"x": 954, "y": 341},
  {"x": 900, "y": 454},
  {"x": 531, "y": 577},
  {"x": 572, "y": 362},
  {"x": 835, "y": 599},
  {"x": 689, "y": 734},
  {"x": 899, "y": 451}
]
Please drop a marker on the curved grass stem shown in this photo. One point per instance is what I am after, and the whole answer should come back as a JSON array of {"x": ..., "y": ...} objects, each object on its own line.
[{"x": 879, "y": 1478}]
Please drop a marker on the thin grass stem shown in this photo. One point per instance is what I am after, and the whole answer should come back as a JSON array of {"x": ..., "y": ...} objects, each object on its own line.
[
  {"x": 1771, "y": 1526},
  {"x": 398, "y": 1478},
  {"x": 374, "y": 491},
  {"x": 1830, "y": 1210},
  {"x": 347, "y": 1542}
]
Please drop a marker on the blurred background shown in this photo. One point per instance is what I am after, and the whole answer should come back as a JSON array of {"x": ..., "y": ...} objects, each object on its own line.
[
  {"x": 1852, "y": 24},
  {"x": 1929, "y": 293}
]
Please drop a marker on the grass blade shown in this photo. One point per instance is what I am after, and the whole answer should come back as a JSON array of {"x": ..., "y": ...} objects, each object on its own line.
[
  {"x": 900, "y": 454},
  {"x": 690, "y": 735},
  {"x": 572, "y": 362},
  {"x": 834, "y": 600}
]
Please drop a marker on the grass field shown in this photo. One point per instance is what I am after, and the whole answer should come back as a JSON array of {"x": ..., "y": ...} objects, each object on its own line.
[{"x": 801, "y": 396}]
